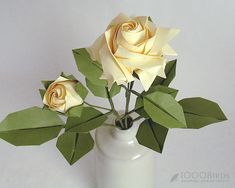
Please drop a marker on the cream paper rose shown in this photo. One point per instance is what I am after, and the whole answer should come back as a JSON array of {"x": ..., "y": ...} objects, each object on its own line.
[
  {"x": 133, "y": 44},
  {"x": 61, "y": 95}
]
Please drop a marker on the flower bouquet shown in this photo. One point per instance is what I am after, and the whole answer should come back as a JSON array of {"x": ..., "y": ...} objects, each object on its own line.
[{"x": 131, "y": 49}]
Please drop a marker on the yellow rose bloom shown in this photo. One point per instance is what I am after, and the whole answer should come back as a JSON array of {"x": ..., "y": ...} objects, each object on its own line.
[
  {"x": 133, "y": 44},
  {"x": 61, "y": 95}
]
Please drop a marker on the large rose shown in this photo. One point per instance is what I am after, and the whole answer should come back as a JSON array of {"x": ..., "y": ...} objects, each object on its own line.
[
  {"x": 133, "y": 44},
  {"x": 61, "y": 95}
]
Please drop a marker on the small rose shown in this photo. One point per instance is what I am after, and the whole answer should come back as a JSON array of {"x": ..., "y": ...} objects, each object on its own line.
[
  {"x": 133, "y": 44},
  {"x": 61, "y": 95}
]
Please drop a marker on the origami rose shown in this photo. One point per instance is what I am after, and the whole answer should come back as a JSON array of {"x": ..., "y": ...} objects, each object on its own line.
[
  {"x": 133, "y": 44},
  {"x": 61, "y": 95}
]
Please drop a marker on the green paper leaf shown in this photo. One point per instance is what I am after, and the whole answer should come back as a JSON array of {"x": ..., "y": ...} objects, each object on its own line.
[
  {"x": 42, "y": 93},
  {"x": 89, "y": 120},
  {"x": 70, "y": 77},
  {"x": 32, "y": 126},
  {"x": 79, "y": 87},
  {"x": 139, "y": 102},
  {"x": 100, "y": 91},
  {"x": 173, "y": 92},
  {"x": 200, "y": 112},
  {"x": 75, "y": 111},
  {"x": 81, "y": 90},
  {"x": 47, "y": 83},
  {"x": 152, "y": 135},
  {"x": 170, "y": 74},
  {"x": 73, "y": 146},
  {"x": 150, "y": 19},
  {"x": 92, "y": 70},
  {"x": 139, "y": 106},
  {"x": 164, "y": 109}
]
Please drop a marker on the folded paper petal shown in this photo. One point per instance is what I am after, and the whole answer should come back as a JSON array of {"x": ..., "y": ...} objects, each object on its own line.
[
  {"x": 133, "y": 44},
  {"x": 147, "y": 76},
  {"x": 61, "y": 95},
  {"x": 164, "y": 35},
  {"x": 111, "y": 69},
  {"x": 94, "y": 49}
]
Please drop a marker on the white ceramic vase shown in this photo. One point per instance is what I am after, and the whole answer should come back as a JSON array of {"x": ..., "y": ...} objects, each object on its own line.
[{"x": 121, "y": 162}]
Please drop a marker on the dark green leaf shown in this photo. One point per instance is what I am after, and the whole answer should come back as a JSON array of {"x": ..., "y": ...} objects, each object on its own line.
[
  {"x": 164, "y": 109},
  {"x": 81, "y": 90},
  {"x": 47, "y": 83},
  {"x": 89, "y": 120},
  {"x": 152, "y": 135},
  {"x": 75, "y": 111},
  {"x": 150, "y": 19},
  {"x": 42, "y": 93},
  {"x": 89, "y": 68},
  {"x": 170, "y": 74},
  {"x": 139, "y": 106},
  {"x": 139, "y": 101},
  {"x": 32, "y": 126},
  {"x": 73, "y": 146},
  {"x": 100, "y": 91},
  {"x": 70, "y": 77},
  {"x": 79, "y": 87},
  {"x": 200, "y": 112},
  {"x": 173, "y": 92}
]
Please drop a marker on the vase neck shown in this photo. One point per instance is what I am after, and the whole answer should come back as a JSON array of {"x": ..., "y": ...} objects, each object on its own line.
[{"x": 125, "y": 135}]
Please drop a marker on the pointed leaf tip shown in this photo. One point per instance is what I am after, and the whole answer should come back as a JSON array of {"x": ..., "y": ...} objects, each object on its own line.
[
  {"x": 200, "y": 112},
  {"x": 170, "y": 71},
  {"x": 164, "y": 109},
  {"x": 32, "y": 126},
  {"x": 152, "y": 135},
  {"x": 73, "y": 146}
]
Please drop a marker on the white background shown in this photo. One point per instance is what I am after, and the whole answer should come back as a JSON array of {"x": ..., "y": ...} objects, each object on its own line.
[{"x": 36, "y": 39}]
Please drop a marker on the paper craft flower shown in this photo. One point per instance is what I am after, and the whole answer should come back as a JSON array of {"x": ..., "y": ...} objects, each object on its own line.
[
  {"x": 61, "y": 95},
  {"x": 133, "y": 44},
  {"x": 131, "y": 47}
]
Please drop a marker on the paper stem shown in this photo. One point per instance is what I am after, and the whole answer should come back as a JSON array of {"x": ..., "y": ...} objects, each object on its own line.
[
  {"x": 132, "y": 91},
  {"x": 97, "y": 106},
  {"x": 136, "y": 119},
  {"x": 113, "y": 107}
]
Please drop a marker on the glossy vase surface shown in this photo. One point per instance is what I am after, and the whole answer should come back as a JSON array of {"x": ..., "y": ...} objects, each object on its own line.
[{"x": 121, "y": 162}]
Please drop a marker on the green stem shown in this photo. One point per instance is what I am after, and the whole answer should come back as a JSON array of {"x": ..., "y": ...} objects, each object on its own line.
[
  {"x": 96, "y": 106},
  {"x": 132, "y": 91},
  {"x": 128, "y": 97},
  {"x": 112, "y": 106},
  {"x": 107, "y": 113},
  {"x": 111, "y": 102},
  {"x": 136, "y": 119},
  {"x": 110, "y": 112},
  {"x": 108, "y": 124},
  {"x": 133, "y": 110},
  {"x": 128, "y": 93}
]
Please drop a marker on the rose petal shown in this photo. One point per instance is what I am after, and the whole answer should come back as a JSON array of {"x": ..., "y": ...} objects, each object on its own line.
[
  {"x": 118, "y": 19},
  {"x": 163, "y": 36},
  {"x": 134, "y": 38},
  {"x": 60, "y": 79},
  {"x": 94, "y": 49},
  {"x": 114, "y": 64},
  {"x": 168, "y": 50},
  {"x": 72, "y": 98},
  {"x": 143, "y": 20},
  {"x": 146, "y": 78},
  {"x": 136, "y": 60},
  {"x": 120, "y": 40},
  {"x": 149, "y": 44},
  {"x": 111, "y": 69}
]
